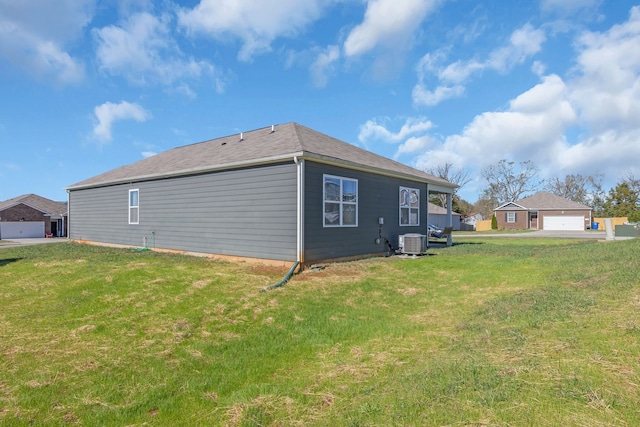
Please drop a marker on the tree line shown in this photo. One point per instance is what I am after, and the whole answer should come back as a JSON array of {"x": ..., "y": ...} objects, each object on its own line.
[{"x": 508, "y": 181}]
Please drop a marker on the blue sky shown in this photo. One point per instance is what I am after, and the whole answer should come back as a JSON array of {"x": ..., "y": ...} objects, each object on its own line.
[{"x": 87, "y": 86}]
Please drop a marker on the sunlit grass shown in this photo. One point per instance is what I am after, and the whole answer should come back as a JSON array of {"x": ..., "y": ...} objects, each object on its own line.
[{"x": 487, "y": 332}]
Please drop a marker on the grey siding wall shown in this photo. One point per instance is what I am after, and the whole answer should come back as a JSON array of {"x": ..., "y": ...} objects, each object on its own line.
[
  {"x": 378, "y": 196},
  {"x": 249, "y": 212}
]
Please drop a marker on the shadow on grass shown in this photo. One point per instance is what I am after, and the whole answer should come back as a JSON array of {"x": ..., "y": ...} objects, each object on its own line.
[
  {"x": 4, "y": 262},
  {"x": 444, "y": 244}
]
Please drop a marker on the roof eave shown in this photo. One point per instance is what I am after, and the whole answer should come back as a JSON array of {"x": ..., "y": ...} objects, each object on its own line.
[
  {"x": 434, "y": 185},
  {"x": 185, "y": 172},
  {"x": 437, "y": 186}
]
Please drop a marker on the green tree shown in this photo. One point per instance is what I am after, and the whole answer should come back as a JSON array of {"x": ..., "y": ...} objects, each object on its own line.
[
  {"x": 623, "y": 201},
  {"x": 494, "y": 222}
]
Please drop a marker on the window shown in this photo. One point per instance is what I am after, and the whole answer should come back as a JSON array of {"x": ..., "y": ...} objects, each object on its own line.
[
  {"x": 511, "y": 217},
  {"x": 340, "y": 197},
  {"x": 409, "y": 206},
  {"x": 134, "y": 206}
]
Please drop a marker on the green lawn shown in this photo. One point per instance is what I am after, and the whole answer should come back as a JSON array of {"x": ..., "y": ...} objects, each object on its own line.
[{"x": 506, "y": 332}]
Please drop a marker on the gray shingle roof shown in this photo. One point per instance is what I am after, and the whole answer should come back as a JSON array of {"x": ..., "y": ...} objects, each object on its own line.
[
  {"x": 547, "y": 201},
  {"x": 439, "y": 210},
  {"x": 42, "y": 204},
  {"x": 260, "y": 146}
]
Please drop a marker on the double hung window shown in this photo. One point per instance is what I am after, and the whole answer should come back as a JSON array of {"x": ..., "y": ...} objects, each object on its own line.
[
  {"x": 134, "y": 206},
  {"x": 340, "y": 201},
  {"x": 409, "y": 206}
]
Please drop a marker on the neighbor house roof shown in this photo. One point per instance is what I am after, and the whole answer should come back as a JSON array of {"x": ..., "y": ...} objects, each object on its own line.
[
  {"x": 262, "y": 146},
  {"x": 435, "y": 209},
  {"x": 544, "y": 201},
  {"x": 42, "y": 204}
]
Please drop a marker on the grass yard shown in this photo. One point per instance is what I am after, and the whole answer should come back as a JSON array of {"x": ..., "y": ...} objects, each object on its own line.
[{"x": 489, "y": 332}]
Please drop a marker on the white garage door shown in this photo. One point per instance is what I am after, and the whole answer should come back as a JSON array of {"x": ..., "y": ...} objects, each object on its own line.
[
  {"x": 21, "y": 229},
  {"x": 569, "y": 223}
]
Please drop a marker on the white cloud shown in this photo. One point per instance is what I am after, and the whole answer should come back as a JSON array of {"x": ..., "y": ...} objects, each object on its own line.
[
  {"x": 607, "y": 90},
  {"x": 256, "y": 23},
  {"x": 412, "y": 137},
  {"x": 523, "y": 44},
  {"x": 143, "y": 51},
  {"x": 108, "y": 113},
  {"x": 413, "y": 145},
  {"x": 423, "y": 96},
  {"x": 324, "y": 65},
  {"x": 536, "y": 119},
  {"x": 388, "y": 23},
  {"x": 372, "y": 130},
  {"x": 587, "y": 124},
  {"x": 33, "y": 36}
]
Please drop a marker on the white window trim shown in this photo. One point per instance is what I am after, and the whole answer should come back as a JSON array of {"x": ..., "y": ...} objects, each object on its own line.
[
  {"x": 409, "y": 208},
  {"x": 131, "y": 208},
  {"x": 511, "y": 217},
  {"x": 340, "y": 202}
]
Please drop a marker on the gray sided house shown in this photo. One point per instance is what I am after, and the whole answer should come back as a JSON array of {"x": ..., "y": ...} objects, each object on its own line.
[
  {"x": 439, "y": 217},
  {"x": 32, "y": 216},
  {"x": 282, "y": 193},
  {"x": 543, "y": 211}
]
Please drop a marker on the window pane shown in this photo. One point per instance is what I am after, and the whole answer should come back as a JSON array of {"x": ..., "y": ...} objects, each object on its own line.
[
  {"x": 349, "y": 191},
  {"x": 413, "y": 220},
  {"x": 404, "y": 197},
  {"x": 348, "y": 214},
  {"x": 404, "y": 216},
  {"x": 331, "y": 189},
  {"x": 414, "y": 199},
  {"x": 331, "y": 214},
  {"x": 133, "y": 215},
  {"x": 133, "y": 198}
]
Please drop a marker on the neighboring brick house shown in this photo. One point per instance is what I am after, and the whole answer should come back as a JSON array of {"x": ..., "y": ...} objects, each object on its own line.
[
  {"x": 31, "y": 216},
  {"x": 543, "y": 211}
]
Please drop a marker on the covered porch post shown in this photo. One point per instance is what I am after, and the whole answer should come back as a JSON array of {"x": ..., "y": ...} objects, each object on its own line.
[{"x": 449, "y": 218}]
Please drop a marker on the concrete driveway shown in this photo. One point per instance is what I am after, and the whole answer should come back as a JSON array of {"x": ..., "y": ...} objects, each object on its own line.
[
  {"x": 587, "y": 234},
  {"x": 28, "y": 242}
]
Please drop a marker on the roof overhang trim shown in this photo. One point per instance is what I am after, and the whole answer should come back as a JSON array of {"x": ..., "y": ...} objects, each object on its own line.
[{"x": 433, "y": 186}]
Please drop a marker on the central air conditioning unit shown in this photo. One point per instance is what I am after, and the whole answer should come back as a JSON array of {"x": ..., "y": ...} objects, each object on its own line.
[{"x": 413, "y": 244}]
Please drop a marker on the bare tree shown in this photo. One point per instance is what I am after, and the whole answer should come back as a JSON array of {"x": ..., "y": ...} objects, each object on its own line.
[
  {"x": 578, "y": 188},
  {"x": 508, "y": 181},
  {"x": 459, "y": 177}
]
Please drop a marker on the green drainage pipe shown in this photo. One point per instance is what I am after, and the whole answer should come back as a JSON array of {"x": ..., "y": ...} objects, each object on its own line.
[{"x": 284, "y": 280}]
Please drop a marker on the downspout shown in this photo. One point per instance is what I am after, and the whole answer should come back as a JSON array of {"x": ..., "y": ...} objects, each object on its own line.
[
  {"x": 299, "y": 210},
  {"x": 299, "y": 225},
  {"x": 449, "y": 218}
]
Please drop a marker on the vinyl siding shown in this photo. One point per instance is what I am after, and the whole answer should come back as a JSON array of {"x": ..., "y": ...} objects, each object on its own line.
[
  {"x": 247, "y": 212},
  {"x": 378, "y": 196}
]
